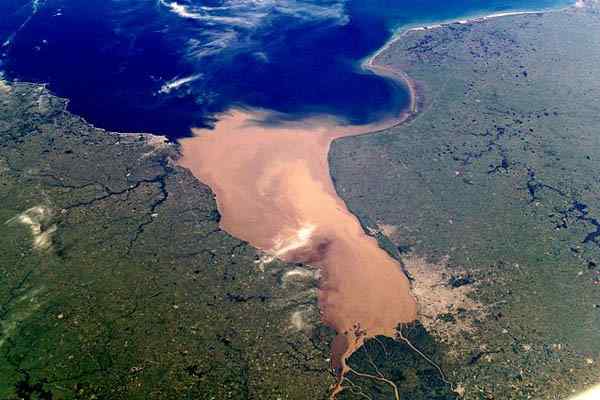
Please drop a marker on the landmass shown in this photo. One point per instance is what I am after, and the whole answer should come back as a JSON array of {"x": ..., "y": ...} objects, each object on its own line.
[
  {"x": 116, "y": 281},
  {"x": 489, "y": 197}
]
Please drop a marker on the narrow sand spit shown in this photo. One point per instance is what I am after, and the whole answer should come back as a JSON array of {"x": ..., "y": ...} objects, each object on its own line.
[{"x": 274, "y": 190}]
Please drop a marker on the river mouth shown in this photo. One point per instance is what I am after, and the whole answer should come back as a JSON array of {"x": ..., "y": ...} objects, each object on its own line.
[{"x": 274, "y": 190}]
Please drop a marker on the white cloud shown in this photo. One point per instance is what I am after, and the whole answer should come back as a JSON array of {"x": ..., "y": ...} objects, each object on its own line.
[
  {"x": 212, "y": 43},
  {"x": 591, "y": 394},
  {"x": 177, "y": 82},
  {"x": 38, "y": 219},
  {"x": 231, "y": 24},
  {"x": 250, "y": 12},
  {"x": 215, "y": 15}
]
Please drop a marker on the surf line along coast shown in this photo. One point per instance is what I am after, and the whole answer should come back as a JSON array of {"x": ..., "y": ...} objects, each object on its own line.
[{"x": 274, "y": 190}]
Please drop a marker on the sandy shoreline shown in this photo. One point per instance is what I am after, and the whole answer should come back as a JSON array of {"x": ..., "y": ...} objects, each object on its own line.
[
  {"x": 404, "y": 30},
  {"x": 370, "y": 63}
]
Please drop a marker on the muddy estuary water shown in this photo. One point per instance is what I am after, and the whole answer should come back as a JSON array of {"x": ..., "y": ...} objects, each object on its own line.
[{"x": 274, "y": 190}]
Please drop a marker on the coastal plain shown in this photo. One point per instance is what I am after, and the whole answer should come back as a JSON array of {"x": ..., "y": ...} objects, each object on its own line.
[
  {"x": 489, "y": 196},
  {"x": 116, "y": 281}
]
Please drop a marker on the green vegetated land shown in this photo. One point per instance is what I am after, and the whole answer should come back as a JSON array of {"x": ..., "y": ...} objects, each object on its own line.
[
  {"x": 495, "y": 184},
  {"x": 117, "y": 283}
]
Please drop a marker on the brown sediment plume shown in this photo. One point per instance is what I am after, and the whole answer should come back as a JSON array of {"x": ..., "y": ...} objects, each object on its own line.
[{"x": 274, "y": 190}]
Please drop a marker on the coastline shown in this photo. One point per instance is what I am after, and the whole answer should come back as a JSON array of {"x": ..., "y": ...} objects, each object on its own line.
[
  {"x": 154, "y": 140},
  {"x": 409, "y": 110},
  {"x": 406, "y": 29},
  {"x": 370, "y": 62}
]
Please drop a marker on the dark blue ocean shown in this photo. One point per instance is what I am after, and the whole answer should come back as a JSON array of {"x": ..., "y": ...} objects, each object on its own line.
[{"x": 163, "y": 66}]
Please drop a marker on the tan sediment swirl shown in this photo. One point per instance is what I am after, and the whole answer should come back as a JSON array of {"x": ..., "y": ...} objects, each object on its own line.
[{"x": 273, "y": 188}]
